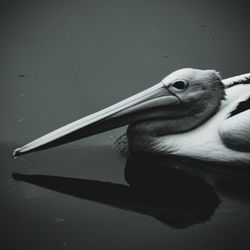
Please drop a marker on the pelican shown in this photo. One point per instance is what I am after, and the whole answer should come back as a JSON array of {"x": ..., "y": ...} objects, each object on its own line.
[{"x": 190, "y": 113}]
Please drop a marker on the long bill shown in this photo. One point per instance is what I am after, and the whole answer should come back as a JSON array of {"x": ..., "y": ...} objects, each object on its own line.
[{"x": 150, "y": 103}]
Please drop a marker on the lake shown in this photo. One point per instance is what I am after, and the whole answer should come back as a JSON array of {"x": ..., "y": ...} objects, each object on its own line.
[{"x": 62, "y": 60}]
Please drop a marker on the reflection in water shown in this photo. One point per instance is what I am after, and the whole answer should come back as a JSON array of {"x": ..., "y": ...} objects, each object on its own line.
[
  {"x": 195, "y": 167},
  {"x": 166, "y": 194},
  {"x": 237, "y": 189}
]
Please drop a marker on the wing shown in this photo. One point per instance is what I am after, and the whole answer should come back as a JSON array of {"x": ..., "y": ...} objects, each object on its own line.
[{"x": 235, "y": 130}]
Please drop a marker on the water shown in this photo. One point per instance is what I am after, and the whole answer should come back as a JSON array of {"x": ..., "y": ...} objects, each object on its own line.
[{"x": 62, "y": 60}]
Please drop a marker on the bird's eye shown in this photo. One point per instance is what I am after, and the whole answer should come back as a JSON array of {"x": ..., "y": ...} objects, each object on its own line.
[{"x": 180, "y": 85}]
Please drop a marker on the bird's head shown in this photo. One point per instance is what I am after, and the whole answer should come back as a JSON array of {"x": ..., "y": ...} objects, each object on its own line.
[
  {"x": 196, "y": 88},
  {"x": 184, "y": 93}
]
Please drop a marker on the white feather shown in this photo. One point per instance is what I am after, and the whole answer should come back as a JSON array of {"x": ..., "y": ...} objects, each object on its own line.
[{"x": 205, "y": 142}]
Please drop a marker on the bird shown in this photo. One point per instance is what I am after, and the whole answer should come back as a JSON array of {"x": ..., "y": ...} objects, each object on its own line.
[{"x": 191, "y": 113}]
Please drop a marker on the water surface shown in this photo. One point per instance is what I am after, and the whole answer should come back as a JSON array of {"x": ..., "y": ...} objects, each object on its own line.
[{"x": 61, "y": 60}]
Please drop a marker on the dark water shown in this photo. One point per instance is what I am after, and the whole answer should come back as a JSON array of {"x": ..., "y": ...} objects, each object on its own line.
[{"x": 61, "y": 60}]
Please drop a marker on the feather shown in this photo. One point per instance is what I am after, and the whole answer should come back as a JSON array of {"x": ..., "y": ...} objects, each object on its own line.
[
  {"x": 241, "y": 81},
  {"x": 241, "y": 107}
]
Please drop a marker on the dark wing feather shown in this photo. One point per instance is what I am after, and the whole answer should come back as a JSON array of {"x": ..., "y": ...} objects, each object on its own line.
[{"x": 241, "y": 107}]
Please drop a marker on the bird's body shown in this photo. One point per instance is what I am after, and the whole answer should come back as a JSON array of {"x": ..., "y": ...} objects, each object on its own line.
[
  {"x": 190, "y": 113},
  {"x": 207, "y": 142}
]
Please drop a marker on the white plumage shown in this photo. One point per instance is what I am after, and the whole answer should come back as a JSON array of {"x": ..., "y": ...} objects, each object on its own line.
[{"x": 208, "y": 141}]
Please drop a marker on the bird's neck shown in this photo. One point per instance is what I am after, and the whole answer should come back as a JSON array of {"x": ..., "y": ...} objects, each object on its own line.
[{"x": 143, "y": 136}]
